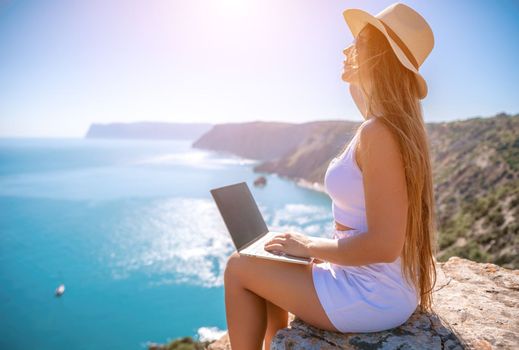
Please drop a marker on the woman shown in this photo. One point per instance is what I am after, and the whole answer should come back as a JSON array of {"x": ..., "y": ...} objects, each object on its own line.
[{"x": 379, "y": 264}]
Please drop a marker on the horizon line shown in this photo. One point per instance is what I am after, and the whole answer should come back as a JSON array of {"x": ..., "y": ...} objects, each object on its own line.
[{"x": 7, "y": 136}]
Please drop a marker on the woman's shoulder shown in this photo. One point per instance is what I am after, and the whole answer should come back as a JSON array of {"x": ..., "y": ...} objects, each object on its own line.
[
  {"x": 372, "y": 125},
  {"x": 375, "y": 139},
  {"x": 375, "y": 130}
]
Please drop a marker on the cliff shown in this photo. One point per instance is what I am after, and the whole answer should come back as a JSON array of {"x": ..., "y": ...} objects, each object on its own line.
[
  {"x": 476, "y": 306},
  {"x": 147, "y": 130},
  {"x": 269, "y": 140},
  {"x": 475, "y": 166}
]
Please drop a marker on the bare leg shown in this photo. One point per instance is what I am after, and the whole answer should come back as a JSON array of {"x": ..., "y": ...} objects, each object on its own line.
[
  {"x": 246, "y": 315},
  {"x": 250, "y": 282},
  {"x": 277, "y": 319}
]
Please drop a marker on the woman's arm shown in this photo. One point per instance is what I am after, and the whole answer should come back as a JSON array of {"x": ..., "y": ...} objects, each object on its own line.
[
  {"x": 385, "y": 194},
  {"x": 386, "y": 207},
  {"x": 357, "y": 250}
]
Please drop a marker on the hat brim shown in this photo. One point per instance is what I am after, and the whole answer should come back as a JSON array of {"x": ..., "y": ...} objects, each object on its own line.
[{"x": 356, "y": 19}]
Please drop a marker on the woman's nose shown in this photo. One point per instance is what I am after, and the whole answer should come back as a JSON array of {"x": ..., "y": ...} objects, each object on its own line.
[{"x": 346, "y": 50}]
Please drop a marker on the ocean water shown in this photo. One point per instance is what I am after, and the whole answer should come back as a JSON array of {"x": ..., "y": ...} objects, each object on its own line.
[{"x": 132, "y": 231}]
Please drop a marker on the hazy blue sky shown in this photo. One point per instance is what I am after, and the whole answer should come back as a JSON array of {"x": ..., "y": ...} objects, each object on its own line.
[{"x": 65, "y": 64}]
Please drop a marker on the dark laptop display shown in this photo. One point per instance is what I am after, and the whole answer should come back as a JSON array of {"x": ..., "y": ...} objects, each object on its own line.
[{"x": 240, "y": 213}]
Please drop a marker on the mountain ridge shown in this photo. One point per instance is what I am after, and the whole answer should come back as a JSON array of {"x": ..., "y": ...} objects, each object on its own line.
[{"x": 475, "y": 163}]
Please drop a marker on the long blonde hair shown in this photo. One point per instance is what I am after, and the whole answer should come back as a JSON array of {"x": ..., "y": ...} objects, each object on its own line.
[{"x": 394, "y": 96}]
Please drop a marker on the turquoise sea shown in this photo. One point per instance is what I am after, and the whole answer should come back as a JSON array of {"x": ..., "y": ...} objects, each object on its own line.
[{"x": 132, "y": 231}]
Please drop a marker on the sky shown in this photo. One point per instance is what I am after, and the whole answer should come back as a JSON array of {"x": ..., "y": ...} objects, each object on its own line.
[{"x": 65, "y": 64}]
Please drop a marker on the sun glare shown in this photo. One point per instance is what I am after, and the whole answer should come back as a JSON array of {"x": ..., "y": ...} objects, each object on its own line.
[{"x": 234, "y": 7}]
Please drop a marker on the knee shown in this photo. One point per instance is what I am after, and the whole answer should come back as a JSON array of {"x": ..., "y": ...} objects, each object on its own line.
[{"x": 232, "y": 267}]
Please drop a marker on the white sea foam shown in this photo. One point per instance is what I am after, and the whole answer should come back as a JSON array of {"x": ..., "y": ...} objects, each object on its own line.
[
  {"x": 312, "y": 220},
  {"x": 199, "y": 159},
  {"x": 210, "y": 333}
]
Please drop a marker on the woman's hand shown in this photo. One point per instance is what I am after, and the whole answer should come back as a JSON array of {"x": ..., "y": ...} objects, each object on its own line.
[{"x": 291, "y": 243}]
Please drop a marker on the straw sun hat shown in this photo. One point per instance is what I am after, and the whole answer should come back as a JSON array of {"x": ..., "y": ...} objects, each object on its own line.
[{"x": 406, "y": 30}]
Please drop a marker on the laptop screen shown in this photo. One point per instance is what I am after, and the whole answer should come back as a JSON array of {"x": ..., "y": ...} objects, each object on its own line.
[{"x": 240, "y": 213}]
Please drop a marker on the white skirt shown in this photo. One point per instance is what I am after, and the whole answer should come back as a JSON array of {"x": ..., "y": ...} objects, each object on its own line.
[{"x": 368, "y": 298}]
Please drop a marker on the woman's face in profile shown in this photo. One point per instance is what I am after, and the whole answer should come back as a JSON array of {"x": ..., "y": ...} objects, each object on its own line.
[
  {"x": 351, "y": 72},
  {"x": 352, "y": 59},
  {"x": 350, "y": 64}
]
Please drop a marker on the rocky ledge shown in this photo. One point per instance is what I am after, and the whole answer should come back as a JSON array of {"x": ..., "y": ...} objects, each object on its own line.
[{"x": 476, "y": 306}]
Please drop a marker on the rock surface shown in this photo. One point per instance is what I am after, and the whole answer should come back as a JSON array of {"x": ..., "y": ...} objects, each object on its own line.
[
  {"x": 476, "y": 306},
  {"x": 221, "y": 344}
]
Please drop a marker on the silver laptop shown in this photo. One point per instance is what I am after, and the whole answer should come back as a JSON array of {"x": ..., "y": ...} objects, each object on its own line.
[{"x": 245, "y": 223}]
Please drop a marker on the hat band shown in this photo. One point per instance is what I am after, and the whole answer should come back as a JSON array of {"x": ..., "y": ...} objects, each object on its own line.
[{"x": 401, "y": 44}]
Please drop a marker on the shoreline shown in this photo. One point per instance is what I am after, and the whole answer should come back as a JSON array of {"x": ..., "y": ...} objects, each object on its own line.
[
  {"x": 299, "y": 181},
  {"x": 316, "y": 186}
]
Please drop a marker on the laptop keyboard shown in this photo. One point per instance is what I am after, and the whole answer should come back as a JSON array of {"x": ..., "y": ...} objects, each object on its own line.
[{"x": 258, "y": 248}]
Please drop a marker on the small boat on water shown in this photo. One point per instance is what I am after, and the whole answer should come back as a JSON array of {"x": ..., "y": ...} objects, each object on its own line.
[{"x": 60, "y": 290}]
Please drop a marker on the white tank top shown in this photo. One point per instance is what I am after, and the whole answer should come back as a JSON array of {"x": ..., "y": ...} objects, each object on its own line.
[{"x": 343, "y": 183}]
